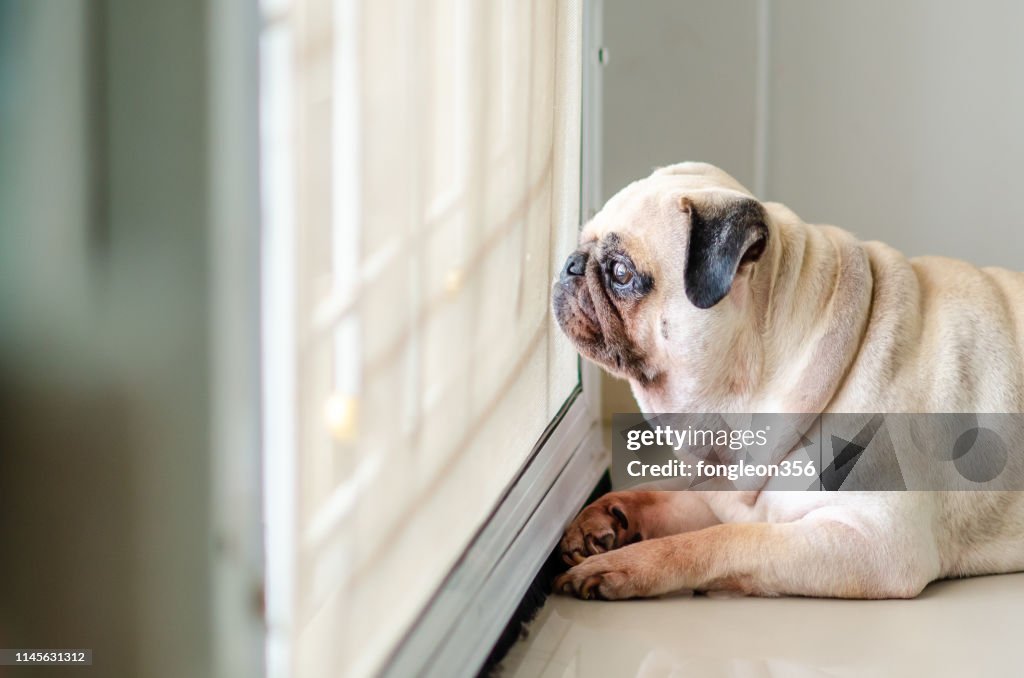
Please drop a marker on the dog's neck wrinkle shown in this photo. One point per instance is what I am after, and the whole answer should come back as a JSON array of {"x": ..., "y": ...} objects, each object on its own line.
[
  {"x": 770, "y": 267},
  {"x": 833, "y": 274},
  {"x": 851, "y": 355}
]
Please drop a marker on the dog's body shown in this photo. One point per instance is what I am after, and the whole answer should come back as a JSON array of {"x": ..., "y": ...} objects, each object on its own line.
[{"x": 731, "y": 305}]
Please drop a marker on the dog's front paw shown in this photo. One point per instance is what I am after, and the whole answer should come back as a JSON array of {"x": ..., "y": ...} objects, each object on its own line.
[
  {"x": 602, "y": 577},
  {"x": 607, "y": 524},
  {"x": 635, "y": 571}
]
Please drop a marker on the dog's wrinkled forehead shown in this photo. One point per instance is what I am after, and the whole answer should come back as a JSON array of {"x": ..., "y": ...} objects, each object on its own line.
[
  {"x": 648, "y": 210},
  {"x": 699, "y": 175}
]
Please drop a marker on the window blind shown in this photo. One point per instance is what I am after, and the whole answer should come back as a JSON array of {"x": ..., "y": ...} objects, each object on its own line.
[{"x": 421, "y": 189}]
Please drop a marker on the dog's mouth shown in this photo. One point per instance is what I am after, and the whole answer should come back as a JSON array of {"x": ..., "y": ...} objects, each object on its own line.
[
  {"x": 580, "y": 320},
  {"x": 577, "y": 318}
]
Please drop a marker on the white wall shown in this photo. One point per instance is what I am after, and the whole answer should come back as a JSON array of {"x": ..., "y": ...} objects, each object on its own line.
[
  {"x": 902, "y": 122},
  {"x": 679, "y": 84}
]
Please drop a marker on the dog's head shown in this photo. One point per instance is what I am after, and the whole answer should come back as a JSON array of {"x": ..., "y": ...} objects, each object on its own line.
[{"x": 655, "y": 268}]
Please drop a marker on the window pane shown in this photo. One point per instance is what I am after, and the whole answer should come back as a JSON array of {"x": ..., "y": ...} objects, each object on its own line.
[{"x": 434, "y": 164}]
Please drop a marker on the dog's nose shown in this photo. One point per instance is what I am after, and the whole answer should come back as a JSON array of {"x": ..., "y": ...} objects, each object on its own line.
[{"x": 575, "y": 266}]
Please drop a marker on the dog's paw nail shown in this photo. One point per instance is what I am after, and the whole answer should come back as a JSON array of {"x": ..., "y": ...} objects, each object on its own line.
[
  {"x": 590, "y": 589},
  {"x": 600, "y": 544}
]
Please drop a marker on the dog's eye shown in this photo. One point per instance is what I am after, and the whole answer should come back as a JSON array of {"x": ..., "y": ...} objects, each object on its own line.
[{"x": 621, "y": 273}]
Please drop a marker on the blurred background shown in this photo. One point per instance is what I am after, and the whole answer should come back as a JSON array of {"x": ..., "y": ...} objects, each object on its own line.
[
  {"x": 122, "y": 182},
  {"x": 259, "y": 260}
]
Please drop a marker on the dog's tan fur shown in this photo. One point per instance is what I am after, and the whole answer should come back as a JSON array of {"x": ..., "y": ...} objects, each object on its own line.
[{"x": 820, "y": 323}]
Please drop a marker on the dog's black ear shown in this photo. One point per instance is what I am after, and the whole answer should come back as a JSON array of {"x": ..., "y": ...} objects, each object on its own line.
[{"x": 722, "y": 239}]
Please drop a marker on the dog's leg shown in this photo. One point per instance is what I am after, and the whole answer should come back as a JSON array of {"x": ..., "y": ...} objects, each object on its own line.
[
  {"x": 813, "y": 556},
  {"x": 621, "y": 518}
]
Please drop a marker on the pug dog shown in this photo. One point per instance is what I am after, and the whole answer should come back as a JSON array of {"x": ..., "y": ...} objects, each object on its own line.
[{"x": 708, "y": 300}]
